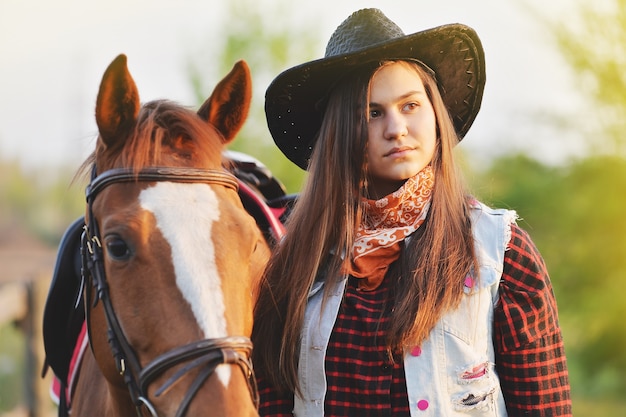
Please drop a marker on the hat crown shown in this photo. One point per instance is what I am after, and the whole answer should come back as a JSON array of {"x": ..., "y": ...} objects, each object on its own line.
[{"x": 362, "y": 29}]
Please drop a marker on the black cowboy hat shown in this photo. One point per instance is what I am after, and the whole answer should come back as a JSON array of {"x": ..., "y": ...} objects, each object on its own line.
[{"x": 454, "y": 52}]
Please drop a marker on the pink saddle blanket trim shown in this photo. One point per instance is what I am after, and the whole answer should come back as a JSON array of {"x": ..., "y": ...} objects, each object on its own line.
[
  {"x": 79, "y": 350},
  {"x": 272, "y": 215}
]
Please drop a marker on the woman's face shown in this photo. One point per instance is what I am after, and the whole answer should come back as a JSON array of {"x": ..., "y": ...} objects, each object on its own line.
[{"x": 402, "y": 133}]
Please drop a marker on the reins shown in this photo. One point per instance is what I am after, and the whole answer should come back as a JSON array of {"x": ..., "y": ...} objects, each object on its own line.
[{"x": 205, "y": 354}]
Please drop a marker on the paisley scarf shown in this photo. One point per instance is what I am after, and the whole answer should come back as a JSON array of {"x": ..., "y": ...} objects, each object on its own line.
[{"x": 386, "y": 223}]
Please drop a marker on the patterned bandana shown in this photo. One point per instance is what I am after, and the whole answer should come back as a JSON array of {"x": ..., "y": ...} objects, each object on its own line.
[{"x": 386, "y": 222}]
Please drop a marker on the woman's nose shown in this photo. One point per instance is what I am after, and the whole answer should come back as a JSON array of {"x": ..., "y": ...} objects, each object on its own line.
[{"x": 396, "y": 126}]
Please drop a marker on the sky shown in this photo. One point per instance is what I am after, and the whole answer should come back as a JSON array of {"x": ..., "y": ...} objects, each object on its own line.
[{"x": 53, "y": 55}]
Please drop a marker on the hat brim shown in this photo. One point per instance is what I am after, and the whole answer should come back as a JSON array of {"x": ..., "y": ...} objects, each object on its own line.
[{"x": 454, "y": 52}]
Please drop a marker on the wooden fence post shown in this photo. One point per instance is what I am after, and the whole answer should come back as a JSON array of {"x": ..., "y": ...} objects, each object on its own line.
[{"x": 13, "y": 302}]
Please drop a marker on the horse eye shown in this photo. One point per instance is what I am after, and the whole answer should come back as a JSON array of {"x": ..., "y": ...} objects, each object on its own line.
[{"x": 117, "y": 248}]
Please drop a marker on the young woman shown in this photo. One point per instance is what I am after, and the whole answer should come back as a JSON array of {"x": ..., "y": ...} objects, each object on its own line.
[{"x": 394, "y": 292}]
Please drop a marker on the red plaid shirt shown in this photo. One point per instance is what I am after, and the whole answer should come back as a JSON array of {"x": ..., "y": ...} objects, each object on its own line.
[{"x": 530, "y": 358}]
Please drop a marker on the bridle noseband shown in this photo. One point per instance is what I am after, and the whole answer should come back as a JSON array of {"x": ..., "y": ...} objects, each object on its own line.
[{"x": 206, "y": 354}]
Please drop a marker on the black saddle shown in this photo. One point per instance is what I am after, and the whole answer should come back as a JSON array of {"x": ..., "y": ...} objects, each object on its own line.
[
  {"x": 262, "y": 195},
  {"x": 64, "y": 313}
]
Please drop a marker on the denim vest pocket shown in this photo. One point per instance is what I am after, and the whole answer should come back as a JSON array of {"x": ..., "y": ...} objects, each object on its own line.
[
  {"x": 460, "y": 324},
  {"x": 465, "y": 322}
]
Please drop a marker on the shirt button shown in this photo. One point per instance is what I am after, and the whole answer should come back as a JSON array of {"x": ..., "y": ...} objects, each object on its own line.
[
  {"x": 416, "y": 351},
  {"x": 422, "y": 405}
]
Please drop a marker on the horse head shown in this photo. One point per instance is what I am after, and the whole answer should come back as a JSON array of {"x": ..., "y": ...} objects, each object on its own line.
[{"x": 171, "y": 259}]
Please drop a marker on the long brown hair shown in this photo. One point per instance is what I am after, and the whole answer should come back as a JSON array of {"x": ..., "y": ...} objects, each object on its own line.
[{"x": 323, "y": 222}]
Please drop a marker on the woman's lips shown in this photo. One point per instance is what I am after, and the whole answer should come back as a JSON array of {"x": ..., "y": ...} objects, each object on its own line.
[{"x": 400, "y": 151}]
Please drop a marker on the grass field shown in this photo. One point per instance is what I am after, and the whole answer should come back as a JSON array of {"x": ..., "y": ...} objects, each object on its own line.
[
  {"x": 599, "y": 408},
  {"x": 12, "y": 353}
]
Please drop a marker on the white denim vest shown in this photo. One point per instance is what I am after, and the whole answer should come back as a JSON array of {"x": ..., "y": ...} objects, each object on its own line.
[{"x": 452, "y": 373}]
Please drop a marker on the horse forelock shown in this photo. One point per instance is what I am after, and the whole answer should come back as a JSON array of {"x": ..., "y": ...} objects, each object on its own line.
[{"x": 166, "y": 134}]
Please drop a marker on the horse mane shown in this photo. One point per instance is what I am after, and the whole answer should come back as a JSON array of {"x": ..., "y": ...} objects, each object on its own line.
[{"x": 165, "y": 133}]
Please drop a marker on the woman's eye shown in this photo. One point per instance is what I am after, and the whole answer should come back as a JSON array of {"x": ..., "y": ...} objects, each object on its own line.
[
  {"x": 411, "y": 106},
  {"x": 374, "y": 114},
  {"x": 117, "y": 248}
]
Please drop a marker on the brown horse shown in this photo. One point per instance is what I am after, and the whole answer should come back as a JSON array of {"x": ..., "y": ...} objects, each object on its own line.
[{"x": 170, "y": 258}]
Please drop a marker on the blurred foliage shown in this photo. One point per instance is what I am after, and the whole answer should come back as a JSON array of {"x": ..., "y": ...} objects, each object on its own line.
[{"x": 42, "y": 202}]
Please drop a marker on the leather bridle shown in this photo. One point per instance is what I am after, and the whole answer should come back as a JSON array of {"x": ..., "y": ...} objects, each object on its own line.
[{"x": 204, "y": 355}]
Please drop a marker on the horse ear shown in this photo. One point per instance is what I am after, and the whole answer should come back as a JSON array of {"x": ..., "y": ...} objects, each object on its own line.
[
  {"x": 118, "y": 103},
  {"x": 227, "y": 108}
]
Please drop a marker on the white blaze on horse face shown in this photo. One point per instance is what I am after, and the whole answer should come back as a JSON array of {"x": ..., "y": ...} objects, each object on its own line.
[{"x": 185, "y": 214}]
